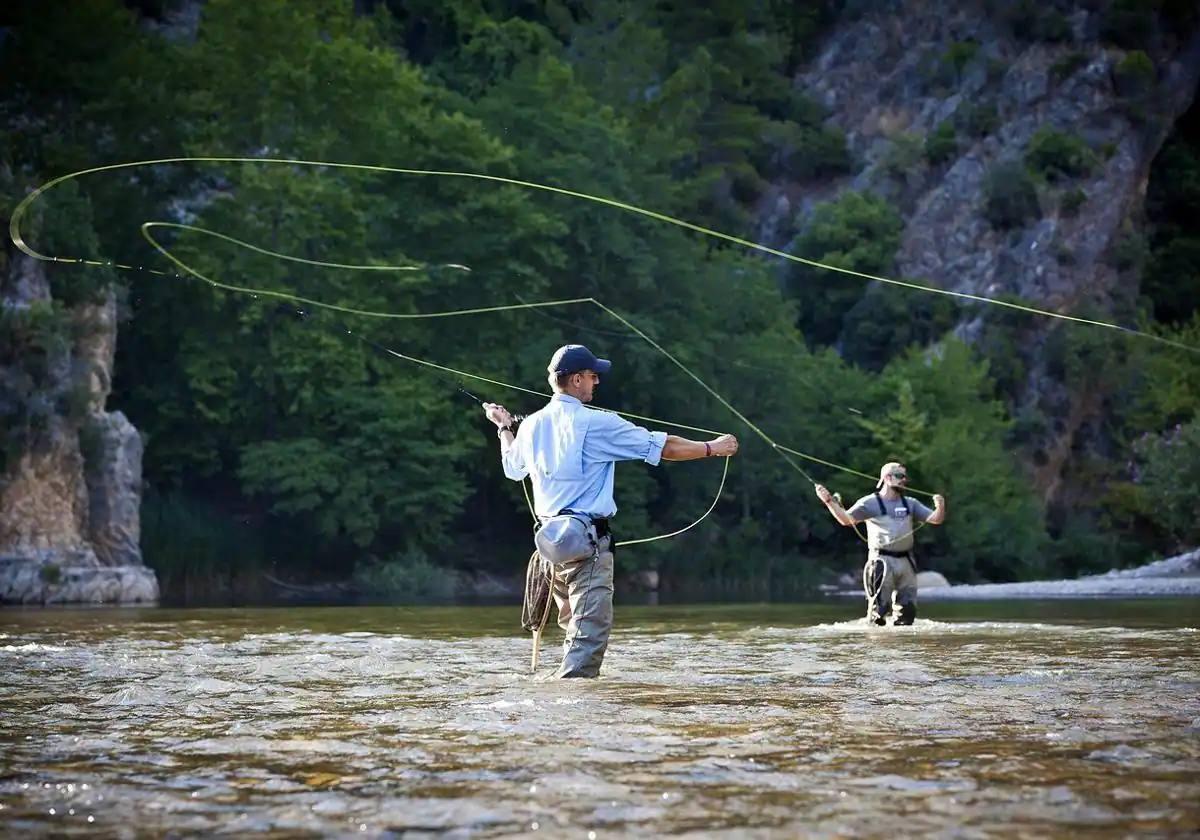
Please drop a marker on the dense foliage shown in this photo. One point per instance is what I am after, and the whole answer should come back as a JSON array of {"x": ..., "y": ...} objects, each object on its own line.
[{"x": 280, "y": 442}]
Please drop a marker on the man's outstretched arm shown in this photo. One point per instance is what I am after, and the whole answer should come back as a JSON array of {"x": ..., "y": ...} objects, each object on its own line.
[
  {"x": 611, "y": 437},
  {"x": 681, "y": 449}
]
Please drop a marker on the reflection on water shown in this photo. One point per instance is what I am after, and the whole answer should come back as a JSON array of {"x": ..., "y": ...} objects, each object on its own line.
[{"x": 747, "y": 720}]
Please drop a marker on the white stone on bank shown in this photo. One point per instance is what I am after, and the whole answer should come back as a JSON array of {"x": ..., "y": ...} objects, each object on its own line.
[{"x": 1175, "y": 576}]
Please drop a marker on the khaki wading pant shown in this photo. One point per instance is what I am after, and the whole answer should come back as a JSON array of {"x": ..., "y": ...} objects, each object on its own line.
[
  {"x": 583, "y": 592},
  {"x": 893, "y": 585}
]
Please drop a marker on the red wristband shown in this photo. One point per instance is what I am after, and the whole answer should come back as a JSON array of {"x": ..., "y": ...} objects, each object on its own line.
[{"x": 707, "y": 450}]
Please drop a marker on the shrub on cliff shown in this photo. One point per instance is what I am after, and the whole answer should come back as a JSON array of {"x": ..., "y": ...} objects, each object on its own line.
[
  {"x": 1010, "y": 197},
  {"x": 942, "y": 143},
  {"x": 978, "y": 119},
  {"x": 1134, "y": 75},
  {"x": 1055, "y": 155}
]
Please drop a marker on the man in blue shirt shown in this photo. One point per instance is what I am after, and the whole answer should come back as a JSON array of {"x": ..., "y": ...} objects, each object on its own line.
[{"x": 569, "y": 452}]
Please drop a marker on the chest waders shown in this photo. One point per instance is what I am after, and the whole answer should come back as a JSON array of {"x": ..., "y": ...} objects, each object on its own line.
[
  {"x": 875, "y": 573},
  {"x": 558, "y": 540}
]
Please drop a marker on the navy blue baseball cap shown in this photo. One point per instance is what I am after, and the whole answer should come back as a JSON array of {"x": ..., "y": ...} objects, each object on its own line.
[{"x": 572, "y": 358}]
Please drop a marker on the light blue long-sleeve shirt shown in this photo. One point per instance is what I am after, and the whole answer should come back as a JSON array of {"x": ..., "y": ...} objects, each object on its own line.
[{"x": 569, "y": 452}]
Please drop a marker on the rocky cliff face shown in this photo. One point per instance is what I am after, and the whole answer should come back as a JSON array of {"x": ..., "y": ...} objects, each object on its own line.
[
  {"x": 894, "y": 77},
  {"x": 70, "y": 487}
]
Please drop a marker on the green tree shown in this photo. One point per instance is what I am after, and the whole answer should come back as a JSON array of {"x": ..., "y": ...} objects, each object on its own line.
[
  {"x": 709, "y": 89},
  {"x": 859, "y": 232},
  {"x": 887, "y": 320},
  {"x": 1169, "y": 469},
  {"x": 1160, "y": 385},
  {"x": 903, "y": 428}
]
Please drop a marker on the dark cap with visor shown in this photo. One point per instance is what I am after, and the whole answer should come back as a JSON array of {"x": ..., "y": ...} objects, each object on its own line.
[{"x": 572, "y": 358}]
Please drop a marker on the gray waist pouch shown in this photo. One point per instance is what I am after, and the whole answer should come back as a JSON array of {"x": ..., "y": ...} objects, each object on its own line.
[{"x": 566, "y": 538}]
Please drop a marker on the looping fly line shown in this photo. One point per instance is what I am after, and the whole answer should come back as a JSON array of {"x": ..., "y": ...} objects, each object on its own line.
[{"x": 787, "y": 453}]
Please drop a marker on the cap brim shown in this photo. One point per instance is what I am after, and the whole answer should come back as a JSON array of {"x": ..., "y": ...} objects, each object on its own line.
[{"x": 602, "y": 366}]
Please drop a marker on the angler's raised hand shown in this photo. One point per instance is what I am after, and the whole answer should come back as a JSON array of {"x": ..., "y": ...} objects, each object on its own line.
[{"x": 498, "y": 414}]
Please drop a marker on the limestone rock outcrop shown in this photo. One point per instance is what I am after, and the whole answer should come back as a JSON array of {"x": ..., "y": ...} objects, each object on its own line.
[{"x": 70, "y": 479}]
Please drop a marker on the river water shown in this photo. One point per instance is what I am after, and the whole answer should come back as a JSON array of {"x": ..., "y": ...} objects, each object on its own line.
[{"x": 750, "y": 721}]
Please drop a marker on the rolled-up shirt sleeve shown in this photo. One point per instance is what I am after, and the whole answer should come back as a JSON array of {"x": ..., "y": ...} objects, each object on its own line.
[
  {"x": 864, "y": 509},
  {"x": 514, "y": 462},
  {"x": 611, "y": 437},
  {"x": 920, "y": 511}
]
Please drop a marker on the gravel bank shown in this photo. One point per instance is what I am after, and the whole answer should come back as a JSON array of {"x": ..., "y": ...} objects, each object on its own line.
[{"x": 1175, "y": 576}]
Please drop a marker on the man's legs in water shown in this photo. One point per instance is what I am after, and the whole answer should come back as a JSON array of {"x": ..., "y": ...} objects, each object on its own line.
[
  {"x": 877, "y": 586},
  {"x": 583, "y": 591},
  {"x": 904, "y": 594}
]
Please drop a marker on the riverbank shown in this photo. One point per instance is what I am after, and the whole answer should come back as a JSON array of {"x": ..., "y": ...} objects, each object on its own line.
[{"x": 1175, "y": 576}]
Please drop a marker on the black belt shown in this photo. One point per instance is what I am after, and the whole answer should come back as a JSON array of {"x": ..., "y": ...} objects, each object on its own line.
[{"x": 887, "y": 553}]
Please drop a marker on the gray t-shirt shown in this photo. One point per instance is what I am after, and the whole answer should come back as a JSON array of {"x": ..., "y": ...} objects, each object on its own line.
[{"x": 892, "y": 527}]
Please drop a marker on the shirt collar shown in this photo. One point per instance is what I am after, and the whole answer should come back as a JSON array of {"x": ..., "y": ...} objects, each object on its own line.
[{"x": 567, "y": 398}]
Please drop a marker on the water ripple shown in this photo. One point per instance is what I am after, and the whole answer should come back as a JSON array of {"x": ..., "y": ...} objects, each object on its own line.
[{"x": 743, "y": 721}]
